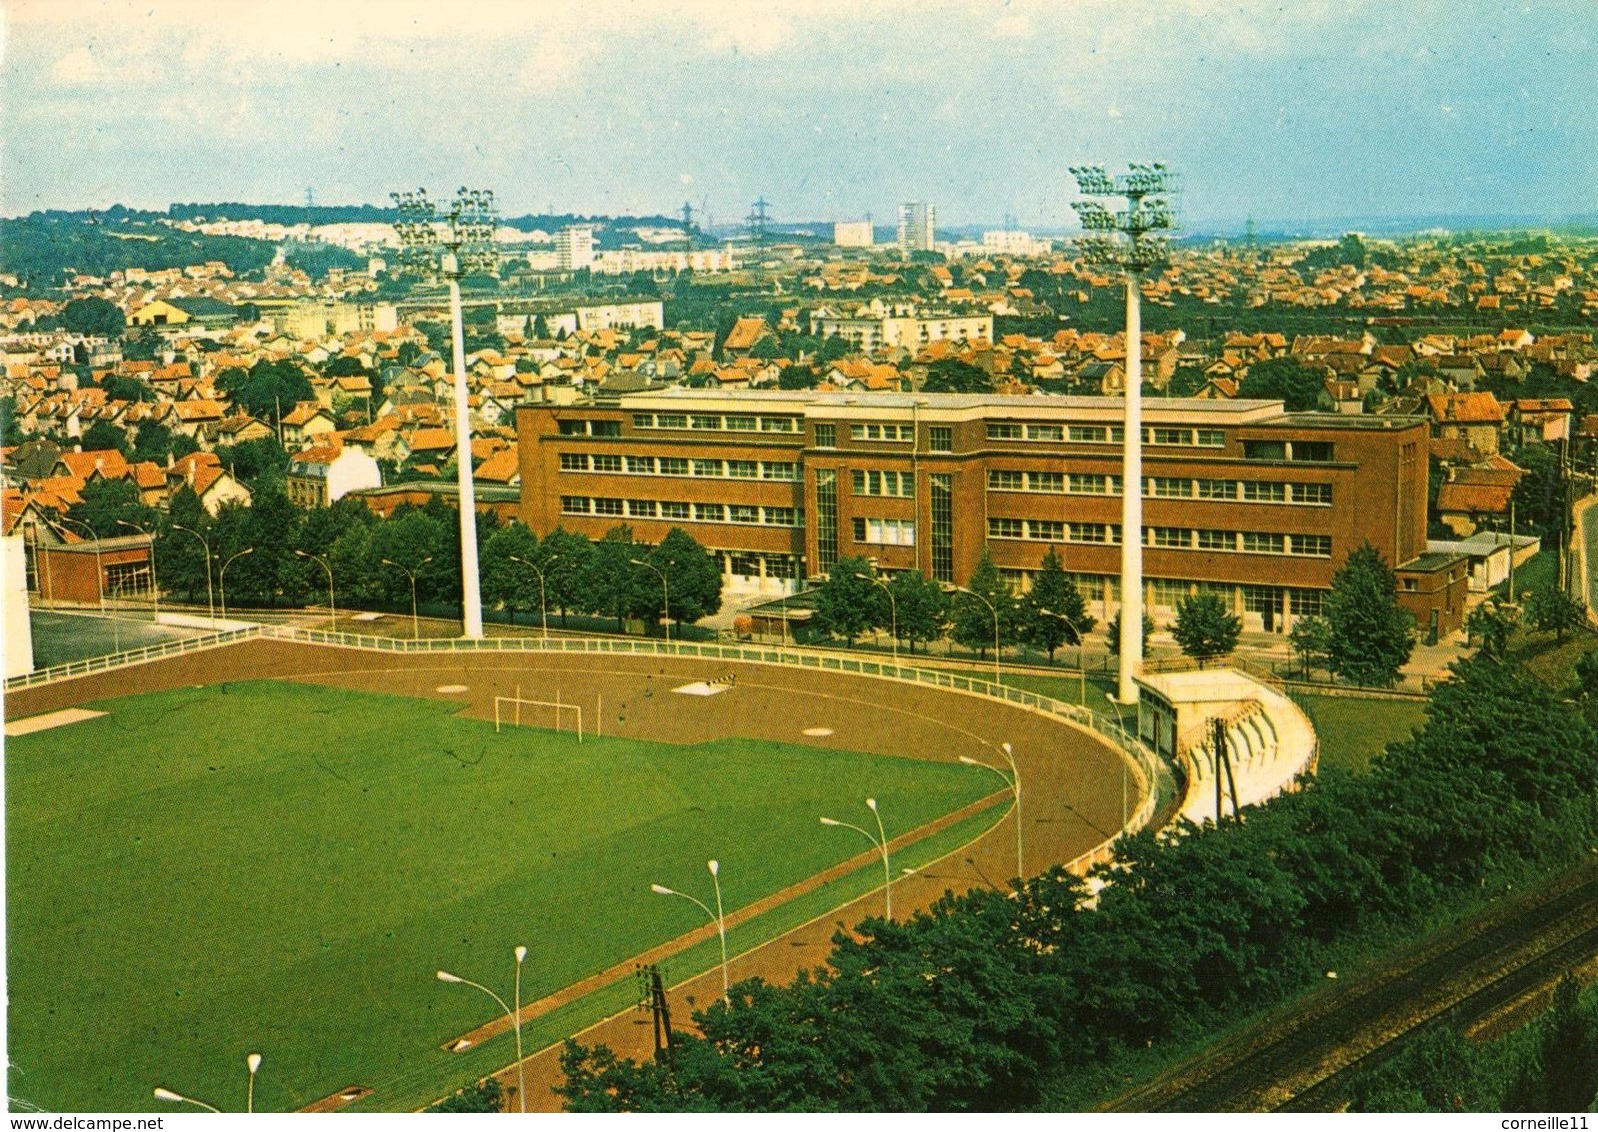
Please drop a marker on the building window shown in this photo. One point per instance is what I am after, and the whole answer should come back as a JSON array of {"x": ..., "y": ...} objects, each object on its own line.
[
  {"x": 1171, "y": 537},
  {"x": 574, "y": 461},
  {"x": 743, "y": 469},
  {"x": 1167, "y": 593},
  {"x": 707, "y": 467},
  {"x": 1262, "y": 599},
  {"x": 1275, "y": 450},
  {"x": 780, "y": 566},
  {"x": 573, "y": 428},
  {"x": 1255, "y": 491},
  {"x": 1045, "y": 432},
  {"x": 780, "y": 516},
  {"x": 1182, "y": 436},
  {"x": 1045, "y": 530},
  {"x": 607, "y": 507},
  {"x": 641, "y": 465},
  {"x": 604, "y": 428},
  {"x": 1217, "y": 540},
  {"x": 1313, "y": 494},
  {"x": 575, "y": 505},
  {"x": 1089, "y": 532},
  {"x": 1217, "y": 489},
  {"x": 1263, "y": 542},
  {"x": 1168, "y": 487},
  {"x": 881, "y": 432},
  {"x": 1004, "y": 432},
  {"x": 1210, "y": 438},
  {"x": 643, "y": 420},
  {"x": 782, "y": 424},
  {"x": 1052, "y": 483},
  {"x": 641, "y": 508},
  {"x": 1004, "y": 528},
  {"x": 826, "y": 436},
  {"x": 1311, "y": 451},
  {"x": 940, "y": 490},
  {"x": 707, "y": 422},
  {"x": 742, "y": 513},
  {"x": 887, "y": 532},
  {"x": 710, "y": 512},
  {"x": 826, "y": 517},
  {"x": 1314, "y": 546},
  {"x": 671, "y": 420},
  {"x": 1305, "y": 603},
  {"x": 1087, "y": 434},
  {"x": 607, "y": 463},
  {"x": 740, "y": 424},
  {"x": 777, "y": 471},
  {"x": 674, "y": 465},
  {"x": 671, "y": 509},
  {"x": 999, "y": 480},
  {"x": 940, "y": 438},
  {"x": 1085, "y": 484}
]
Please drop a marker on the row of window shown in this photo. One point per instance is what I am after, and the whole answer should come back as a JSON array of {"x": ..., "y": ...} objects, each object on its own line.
[
  {"x": 1108, "y": 434},
  {"x": 716, "y": 422},
  {"x": 1172, "y": 538},
  {"x": 581, "y": 426},
  {"x": 678, "y": 466},
  {"x": 1162, "y": 487},
  {"x": 899, "y": 433},
  {"x": 1053, "y": 483},
  {"x": 683, "y": 512},
  {"x": 883, "y": 483},
  {"x": 887, "y": 532}
]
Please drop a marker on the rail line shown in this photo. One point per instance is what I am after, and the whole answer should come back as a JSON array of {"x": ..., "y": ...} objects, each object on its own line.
[{"x": 1302, "y": 1057}]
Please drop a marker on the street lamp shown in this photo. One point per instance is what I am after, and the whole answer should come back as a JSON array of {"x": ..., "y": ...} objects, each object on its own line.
[
  {"x": 1134, "y": 241},
  {"x": 252, "y": 1063},
  {"x": 222, "y": 576},
  {"x": 210, "y": 601},
  {"x": 716, "y": 918},
  {"x": 466, "y": 235},
  {"x": 416, "y": 624},
  {"x": 1013, "y": 780},
  {"x": 515, "y": 1017},
  {"x": 665, "y": 590},
  {"x": 178, "y": 1098},
  {"x": 322, "y": 562},
  {"x": 893, "y": 609},
  {"x": 997, "y": 677},
  {"x": 1081, "y": 670},
  {"x": 155, "y": 591},
  {"x": 880, "y": 843},
  {"x": 543, "y": 606}
]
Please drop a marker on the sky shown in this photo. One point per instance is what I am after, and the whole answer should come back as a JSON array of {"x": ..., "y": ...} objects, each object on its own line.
[{"x": 1290, "y": 111}]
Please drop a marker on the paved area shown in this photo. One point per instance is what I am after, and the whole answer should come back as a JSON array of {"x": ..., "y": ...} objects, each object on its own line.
[{"x": 62, "y": 636}]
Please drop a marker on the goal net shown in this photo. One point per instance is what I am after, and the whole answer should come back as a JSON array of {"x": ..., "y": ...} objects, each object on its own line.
[{"x": 515, "y": 711}]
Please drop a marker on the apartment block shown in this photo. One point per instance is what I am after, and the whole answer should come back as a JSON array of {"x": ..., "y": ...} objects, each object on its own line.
[{"x": 1241, "y": 498}]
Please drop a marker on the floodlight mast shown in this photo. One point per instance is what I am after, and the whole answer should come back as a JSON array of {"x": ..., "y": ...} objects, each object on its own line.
[
  {"x": 465, "y": 237},
  {"x": 1134, "y": 242}
]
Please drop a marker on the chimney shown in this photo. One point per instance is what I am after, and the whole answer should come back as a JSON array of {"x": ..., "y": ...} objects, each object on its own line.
[{"x": 191, "y": 474}]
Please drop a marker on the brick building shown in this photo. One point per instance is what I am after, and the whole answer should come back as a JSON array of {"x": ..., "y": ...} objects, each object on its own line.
[{"x": 1241, "y": 498}]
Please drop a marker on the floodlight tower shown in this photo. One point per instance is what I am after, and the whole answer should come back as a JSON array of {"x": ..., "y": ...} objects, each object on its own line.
[
  {"x": 1133, "y": 241},
  {"x": 452, "y": 245}
]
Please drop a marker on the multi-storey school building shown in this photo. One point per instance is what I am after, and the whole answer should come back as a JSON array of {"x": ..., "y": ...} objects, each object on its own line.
[{"x": 1241, "y": 498}]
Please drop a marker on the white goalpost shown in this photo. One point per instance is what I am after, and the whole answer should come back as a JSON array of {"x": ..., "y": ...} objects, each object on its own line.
[{"x": 508, "y": 711}]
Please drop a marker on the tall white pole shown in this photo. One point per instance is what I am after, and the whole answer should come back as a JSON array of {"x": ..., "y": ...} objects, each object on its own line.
[
  {"x": 471, "y": 590},
  {"x": 1131, "y": 655}
]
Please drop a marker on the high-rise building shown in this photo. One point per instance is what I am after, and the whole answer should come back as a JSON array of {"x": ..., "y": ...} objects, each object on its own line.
[
  {"x": 917, "y": 219},
  {"x": 574, "y": 247},
  {"x": 852, "y": 234}
]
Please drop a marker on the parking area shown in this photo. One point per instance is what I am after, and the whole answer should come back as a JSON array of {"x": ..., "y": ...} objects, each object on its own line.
[{"x": 60, "y": 637}]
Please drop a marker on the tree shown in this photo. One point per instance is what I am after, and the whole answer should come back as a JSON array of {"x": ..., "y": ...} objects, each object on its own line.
[
  {"x": 250, "y": 460},
  {"x": 1370, "y": 637},
  {"x": 975, "y": 616},
  {"x": 923, "y": 607},
  {"x": 614, "y": 587},
  {"x": 506, "y": 582},
  {"x": 267, "y": 388},
  {"x": 93, "y": 316},
  {"x": 104, "y": 436},
  {"x": 104, "y": 502},
  {"x": 423, "y": 542},
  {"x": 1205, "y": 628},
  {"x": 848, "y": 602},
  {"x": 1296, "y": 385},
  {"x": 1113, "y": 633},
  {"x": 180, "y": 557},
  {"x": 692, "y": 577},
  {"x": 1552, "y": 610},
  {"x": 485, "y": 1096},
  {"x": 567, "y": 559},
  {"x": 951, "y": 375},
  {"x": 1539, "y": 495},
  {"x": 1490, "y": 624},
  {"x": 1310, "y": 638},
  {"x": 1053, "y": 613}
]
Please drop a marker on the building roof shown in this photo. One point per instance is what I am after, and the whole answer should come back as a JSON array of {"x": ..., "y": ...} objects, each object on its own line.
[
  {"x": 1474, "y": 499},
  {"x": 1465, "y": 408}
]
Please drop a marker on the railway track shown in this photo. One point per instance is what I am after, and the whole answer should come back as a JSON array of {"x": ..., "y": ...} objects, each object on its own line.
[{"x": 1302, "y": 1057}]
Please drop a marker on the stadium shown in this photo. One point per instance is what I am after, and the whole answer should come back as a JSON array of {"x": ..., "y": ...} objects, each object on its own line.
[{"x": 270, "y": 840}]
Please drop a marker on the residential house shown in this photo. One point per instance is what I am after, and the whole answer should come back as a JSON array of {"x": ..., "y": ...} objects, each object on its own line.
[
  {"x": 1475, "y": 417},
  {"x": 203, "y": 474},
  {"x": 323, "y": 474}
]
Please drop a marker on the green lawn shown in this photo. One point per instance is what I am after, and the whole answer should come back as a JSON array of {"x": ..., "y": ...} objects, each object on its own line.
[
  {"x": 281, "y": 868},
  {"x": 1352, "y": 729}
]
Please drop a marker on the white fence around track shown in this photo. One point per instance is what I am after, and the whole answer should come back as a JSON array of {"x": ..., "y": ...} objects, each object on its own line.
[{"x": 1155, "y": 778}]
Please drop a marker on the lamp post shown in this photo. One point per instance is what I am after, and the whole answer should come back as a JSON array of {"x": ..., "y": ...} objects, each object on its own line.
[
  {"x": 1133, "y": 241},
  {"x": 1081, "y": 671},
  {"x": 893, "y": 609},
  {"x": 178, "y": 1098},
  {"x": 998, "y": 678},
  {"x": 665, "y": 589},
  {"x": 210, "y": 602},
  {"x": 252, "y": 1064},
  {"x": 716, "y": 918},
  {"x": 1013, "y": 779},
  {"x": 543, "y": 605},
  {"x": 222, "y": 576},
  {"x": 467, "y": 241},
  {"x": 416, "y": 624},
  {"x": 514, "y": 1015},
  {"x": 155, "y": 590},
  {"x": 880, "y": 843},
  {"x": 332, "y": 609}
]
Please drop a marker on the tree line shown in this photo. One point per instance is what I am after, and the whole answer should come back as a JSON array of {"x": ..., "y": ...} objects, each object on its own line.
[{"x": 993, "y": 1000}]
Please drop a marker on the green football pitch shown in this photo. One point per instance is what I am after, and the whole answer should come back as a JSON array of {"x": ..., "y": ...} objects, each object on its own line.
[{"x": 281, "y": 868}]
